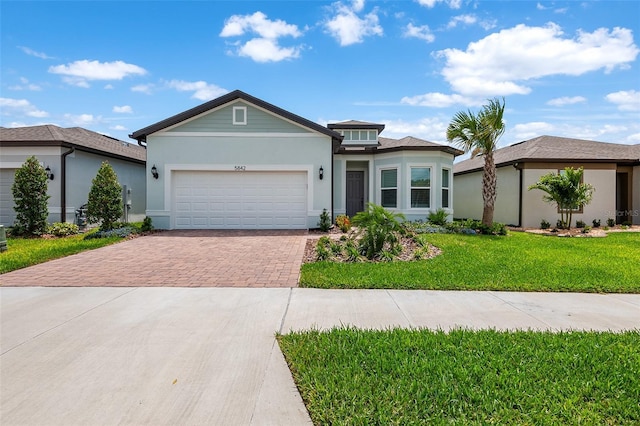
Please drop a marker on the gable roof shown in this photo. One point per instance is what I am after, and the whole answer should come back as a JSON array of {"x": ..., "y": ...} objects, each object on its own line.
[
  {"x": 141, "y": 135},
  {"x": 73, "y": 137},
  {"x": 555, "y": 149}
]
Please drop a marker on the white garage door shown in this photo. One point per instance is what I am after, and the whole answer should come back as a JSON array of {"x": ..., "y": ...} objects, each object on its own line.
[
  {"x": 7, "y": 214},
  {"x": 239, "y": 200}
]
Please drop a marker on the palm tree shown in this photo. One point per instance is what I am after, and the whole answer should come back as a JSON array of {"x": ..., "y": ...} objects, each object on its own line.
[{"x": 479, "y": 133}]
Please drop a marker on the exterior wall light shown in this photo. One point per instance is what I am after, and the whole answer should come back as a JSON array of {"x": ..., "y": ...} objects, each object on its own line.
[
  {"x": 321, "y": 173},
  {"x": 49, "y": 173},
  {"x": 154, "y": 172}
]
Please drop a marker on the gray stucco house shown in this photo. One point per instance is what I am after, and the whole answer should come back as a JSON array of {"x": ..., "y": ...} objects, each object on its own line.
[
  {"x": 613, "y": 169},
  {"x": 73, "y": 157},
  {"x": 238, "y": 162}
]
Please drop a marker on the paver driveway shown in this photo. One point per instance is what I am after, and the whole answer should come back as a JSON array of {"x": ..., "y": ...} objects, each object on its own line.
[{"x": 178, "y": 258}]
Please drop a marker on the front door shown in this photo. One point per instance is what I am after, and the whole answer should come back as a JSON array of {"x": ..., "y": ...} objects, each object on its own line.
[{"x": 355, "y": 192}]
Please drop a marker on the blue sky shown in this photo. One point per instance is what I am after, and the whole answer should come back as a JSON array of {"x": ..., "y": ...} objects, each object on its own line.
[{"x": 565, "y": 68}]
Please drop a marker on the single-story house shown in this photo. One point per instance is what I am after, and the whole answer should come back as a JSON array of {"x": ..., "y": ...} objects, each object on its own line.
[
  {"x": 72, "y": 157},
  {"x": 613, "y": 169},
  {"x": 239, "y": 162}
]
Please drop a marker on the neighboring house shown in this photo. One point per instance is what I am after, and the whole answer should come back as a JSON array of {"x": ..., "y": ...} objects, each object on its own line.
[
  {"x": 613, "y": 169},
  {"x": 239, "y": 162},
  {"x": 73, "y": 157}
]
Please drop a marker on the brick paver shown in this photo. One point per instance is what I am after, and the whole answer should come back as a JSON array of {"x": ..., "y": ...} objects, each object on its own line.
[{"x": 195, "y": 258}]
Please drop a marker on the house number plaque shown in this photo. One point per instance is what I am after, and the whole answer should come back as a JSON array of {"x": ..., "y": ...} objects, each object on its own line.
[{"x": 240, "y": 168}]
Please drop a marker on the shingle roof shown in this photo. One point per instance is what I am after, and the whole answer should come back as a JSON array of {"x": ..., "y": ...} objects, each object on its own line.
[
  {"x": 556, "y": 149},
  {"x": 412, "y": 143},
  {"x": 77, "y": 137},
  {"x": 142, "y": 134}
]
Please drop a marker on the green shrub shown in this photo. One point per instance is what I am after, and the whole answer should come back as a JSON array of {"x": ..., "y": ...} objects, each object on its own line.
[
  {"x": 580, "y": 224},
  {"x": 560, "y": 224},
  {"x": 325, "y": 221},
  {"x": 495, "y": 229},
  {"x": 596, "y": 223},
  {"x": 611, "y": 222},
  {"x": 586, "y": 229},
  {"x": 322, "y": 249},
  {"x": 30, "y": 197},
  {"x": 63, "y": 229},
  {"x": 114, "y": 232},
  {"x": 343, "y": 222},
  {"x": 626, "y": 223},
  {"x": 544, "y": 224},
  {"x": 439, "y": 217},
  {"x": 105, "y": 198},
  {"x": 379, "y": 230},
  {"x": 146, "y": 225}
]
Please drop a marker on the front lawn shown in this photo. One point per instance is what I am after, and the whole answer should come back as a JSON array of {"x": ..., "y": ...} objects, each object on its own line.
[
  {"x": 517, "y": 262},
  {"x": 349, "y": 376},
  {"x": 25, "y": 252}
]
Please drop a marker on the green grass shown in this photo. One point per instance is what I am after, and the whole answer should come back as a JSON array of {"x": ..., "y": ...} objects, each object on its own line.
[
  {"x": 518, "y": 262},
  {"x": 410, "y": 377},
  {"x": 25, "y": 252}
]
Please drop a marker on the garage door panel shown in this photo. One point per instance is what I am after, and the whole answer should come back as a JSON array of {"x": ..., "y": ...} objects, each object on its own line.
[{"x": 233, "y": 200}]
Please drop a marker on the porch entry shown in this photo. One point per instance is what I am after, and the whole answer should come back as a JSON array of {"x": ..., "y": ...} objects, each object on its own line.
[{"x": 355, "y": 192}]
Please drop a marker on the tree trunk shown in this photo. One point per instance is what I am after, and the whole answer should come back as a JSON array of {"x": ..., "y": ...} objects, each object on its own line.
[{"x": 489, "y": 179}]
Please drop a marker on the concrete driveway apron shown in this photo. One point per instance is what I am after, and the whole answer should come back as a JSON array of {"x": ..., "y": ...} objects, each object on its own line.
[{"x": 202, "y": 258}]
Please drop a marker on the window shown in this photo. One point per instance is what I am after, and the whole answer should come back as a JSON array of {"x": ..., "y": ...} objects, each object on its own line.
[
  {"x": 420, "y": 187},
  {"x": 360, "y": 135},
  {"x": 389, "y": 188},
  {"x": 445, "y": 188},
  {"x": 240, "y": 115}
]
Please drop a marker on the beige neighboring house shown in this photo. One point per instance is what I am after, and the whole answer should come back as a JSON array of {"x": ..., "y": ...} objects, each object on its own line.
[
  {"x": 73, "y": 157},
  {"x": 613, "y": 169}
]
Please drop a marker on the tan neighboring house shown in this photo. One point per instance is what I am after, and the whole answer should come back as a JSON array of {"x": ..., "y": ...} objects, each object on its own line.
[
  {"x": 72, "y": 156},
  {"x": 613, "y": 169}
]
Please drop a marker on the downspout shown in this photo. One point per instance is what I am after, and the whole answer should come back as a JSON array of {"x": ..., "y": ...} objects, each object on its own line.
[
  {"x": 63, "y": 185},
  {"x": 518, "y": 167}
]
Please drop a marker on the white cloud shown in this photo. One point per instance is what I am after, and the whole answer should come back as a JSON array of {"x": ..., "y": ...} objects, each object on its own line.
[
  {"x": 124, "y": 109},
  {"x": 266, "y": 47},
  {"x": 453, "y": 4},
  {"x": 201, "y": 89},
  {"x": 627, "y": 100},
  {"x": 422, "y": 32},
  {"x": 109, "y": 87},
  {"x": 82, "y": 120},
  {"x": 147, "y": 89},
  {"x": 501, "y": 63},
  {"x": 470, "y": 19},
  {"x": 118, "y": 128},
  {"x": 433, "y": 129},
  {"x": 25, "y": 85},
  {"x": 566, "y": 100},
  {"x": 32, "y": 52},
  {"x": 11, "y": 107},
  {"x": 78, "y": 73},
  {"x": 349, "y": 28},
  {"x": 532, "y": 130},
  {"x": 439, "y": 100}
]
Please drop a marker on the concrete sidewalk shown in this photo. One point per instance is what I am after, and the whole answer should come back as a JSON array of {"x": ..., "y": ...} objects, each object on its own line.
[{"x": 158, "y": 356}]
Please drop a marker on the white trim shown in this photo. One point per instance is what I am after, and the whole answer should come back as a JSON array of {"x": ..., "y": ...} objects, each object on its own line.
[
  {"x": 432, "y": 184},
  {"x": 237, "y": 122},
  {"x": 378, "y": 194},
  {"x": 449, "y": 188},
  {"x": 11, "y": 164},
  {"x": 237, "y": 134}
]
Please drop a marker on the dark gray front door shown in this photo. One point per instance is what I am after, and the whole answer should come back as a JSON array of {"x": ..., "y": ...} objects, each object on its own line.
[{"x": 355, "y": 192}]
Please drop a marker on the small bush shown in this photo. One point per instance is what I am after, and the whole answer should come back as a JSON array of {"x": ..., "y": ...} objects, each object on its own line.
[
  {"x": 116, "y": 232},
  {"x": 439, "y": 217},
  {"x": 560, "y": 224},
  {"x": 322, "y": 249},
  {"x": 586, "y": 229},
  {"x": 544, "y": 224},
  {"x": 611, "y": 222},
  {"x": 495, "y": 229},
  {"x": 105, "y": 198},
  {"x": 30, "y": 196},
  {"x": 343, "y": 222},
  {"x": 379, "y": 230},
  {"x": 146, "y": 225},
  {"x": 580, "y": 224},
  {"x": 325, "y": 221},
  {"x": 626, "y": 223},
  {"x": 596, "y": 223},
  {"x": 63, "y": 229}
]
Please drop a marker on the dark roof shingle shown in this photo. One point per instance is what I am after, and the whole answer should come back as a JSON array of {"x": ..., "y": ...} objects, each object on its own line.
[{"x": 556, "y": 149}]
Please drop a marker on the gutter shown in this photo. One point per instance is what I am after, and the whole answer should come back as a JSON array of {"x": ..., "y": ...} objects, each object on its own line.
[{"x": 63, "y": 184}]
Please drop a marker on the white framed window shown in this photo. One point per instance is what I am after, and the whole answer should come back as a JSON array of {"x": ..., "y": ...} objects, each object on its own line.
[
  {"x": 446, "y": 188},
  {"x": 420, "y": 187},
  {"x": 360, "y": 135},
  {"x": 389, "y": 188},
  {"x": 240, "y": 115}
]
